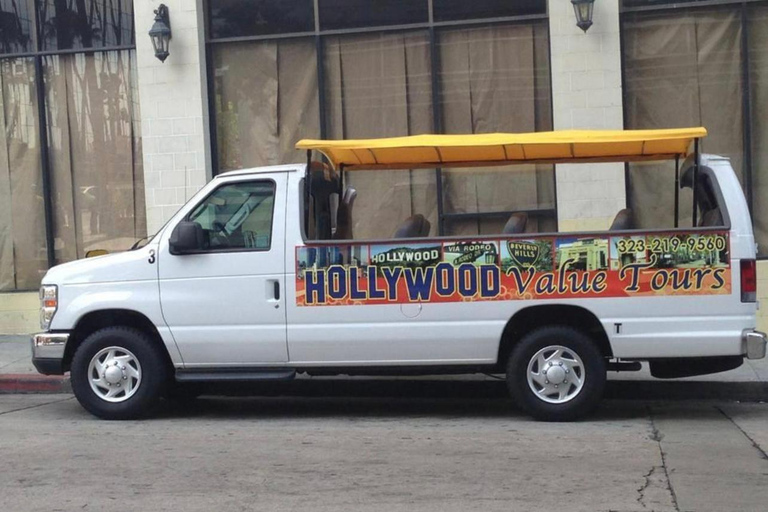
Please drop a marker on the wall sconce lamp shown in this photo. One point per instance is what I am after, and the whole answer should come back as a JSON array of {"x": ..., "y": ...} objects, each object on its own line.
[
  {"x": 160, "y": 33},
  {"x": 583, "y": 10}
]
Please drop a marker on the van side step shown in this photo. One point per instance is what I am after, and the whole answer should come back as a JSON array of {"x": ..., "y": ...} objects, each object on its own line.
[{"x": 234, "y": 374}]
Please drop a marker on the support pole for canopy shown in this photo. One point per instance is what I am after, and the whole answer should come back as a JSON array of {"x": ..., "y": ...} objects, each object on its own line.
[
  {"x": 307, "y": 190},
  {"x": 440, "y": 213},
  {"x": 695, "y": 180},
  {"x": 677, "y": 190}
]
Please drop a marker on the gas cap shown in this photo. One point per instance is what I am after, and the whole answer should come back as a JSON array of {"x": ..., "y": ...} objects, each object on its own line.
[{"x": 410, "y": 310}]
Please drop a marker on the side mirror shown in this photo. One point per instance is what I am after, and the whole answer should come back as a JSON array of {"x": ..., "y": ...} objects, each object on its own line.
[{"x": 186, "y": 237}]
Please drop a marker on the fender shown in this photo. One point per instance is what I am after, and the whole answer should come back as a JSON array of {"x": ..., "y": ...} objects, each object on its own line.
[{"x": 142, "y": 297}]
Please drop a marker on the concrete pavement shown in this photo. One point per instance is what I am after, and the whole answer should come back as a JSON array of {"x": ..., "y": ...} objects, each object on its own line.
[
  {"x": 18, "y": 375},
  {"x": 15, "y": 355},
  {"x": 383, "y": 454}
]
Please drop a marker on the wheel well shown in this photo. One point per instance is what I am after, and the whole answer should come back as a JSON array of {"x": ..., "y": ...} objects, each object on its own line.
[
  {"x": 96, "y": 320},
  {"x": 530, "y": 318}
]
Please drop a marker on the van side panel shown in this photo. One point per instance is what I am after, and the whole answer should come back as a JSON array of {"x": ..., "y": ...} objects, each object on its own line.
[{"x": 337, "y": 317}]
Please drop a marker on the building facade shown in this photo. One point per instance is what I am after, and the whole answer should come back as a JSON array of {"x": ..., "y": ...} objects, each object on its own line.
[{"x": 104, "y": 142}]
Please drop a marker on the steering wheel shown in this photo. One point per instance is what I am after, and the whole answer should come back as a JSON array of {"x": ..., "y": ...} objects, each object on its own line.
[{"x": 219, "y": 236}]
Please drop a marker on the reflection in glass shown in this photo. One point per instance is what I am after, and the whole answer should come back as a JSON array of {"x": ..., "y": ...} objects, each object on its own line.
[
  {"x": 456, "y": 10},
  {"x": 23, "y": 257},
  {"x": 650, "y": 3},
  {"x": 67, "y": 24},
  {"x": 236, "y": 18},
  {"x": 15, "y": 26},
  {"x": 338, "y": 14},
  {"x": 95, "y": 152}
]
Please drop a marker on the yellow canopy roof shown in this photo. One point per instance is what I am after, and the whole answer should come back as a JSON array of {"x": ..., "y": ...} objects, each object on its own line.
[{"x": 506, "y": 148}]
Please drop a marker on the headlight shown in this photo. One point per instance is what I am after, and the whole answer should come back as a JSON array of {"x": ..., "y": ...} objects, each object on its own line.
[{"x": 49, "y": 302}]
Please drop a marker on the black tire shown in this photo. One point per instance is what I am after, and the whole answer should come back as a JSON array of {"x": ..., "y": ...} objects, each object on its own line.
[
  {"x": 594, "y": 372},
  {"x": 154, "y": 373}
]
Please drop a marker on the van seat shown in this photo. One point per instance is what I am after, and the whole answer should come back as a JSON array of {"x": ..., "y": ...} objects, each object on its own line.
[
  {"x": 623, "y": 220},
  {"x": 515, "y": 224},
  {"x": 712, "y": 218},
  {"x": 344, "y": 215},
  {"x": 414, "y": 226}
]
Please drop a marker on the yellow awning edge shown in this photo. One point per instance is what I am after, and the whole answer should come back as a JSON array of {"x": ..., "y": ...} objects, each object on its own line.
[{"x": 506, "y": 148}]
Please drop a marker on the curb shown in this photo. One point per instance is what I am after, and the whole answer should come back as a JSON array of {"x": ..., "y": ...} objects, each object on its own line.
[
  {"x": 20, "y": 383},
  {"x": 739, "y": 391}
]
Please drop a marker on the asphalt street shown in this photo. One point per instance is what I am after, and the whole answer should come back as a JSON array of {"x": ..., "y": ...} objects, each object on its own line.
[{"x": 383, "y": 453}]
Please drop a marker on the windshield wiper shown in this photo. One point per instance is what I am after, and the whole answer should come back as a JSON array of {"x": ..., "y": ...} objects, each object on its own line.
[{"x": 138, "y": 244}]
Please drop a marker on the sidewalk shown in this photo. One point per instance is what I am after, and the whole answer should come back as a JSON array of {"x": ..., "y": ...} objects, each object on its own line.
[
  {"x": 748, "y": 382},
  {"x": 18, "y": 375}
]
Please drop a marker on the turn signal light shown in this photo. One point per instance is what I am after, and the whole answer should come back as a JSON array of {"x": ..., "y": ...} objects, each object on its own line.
[
  {"x": 748, "y": 281},
  {"x": 49, "y": 303}
]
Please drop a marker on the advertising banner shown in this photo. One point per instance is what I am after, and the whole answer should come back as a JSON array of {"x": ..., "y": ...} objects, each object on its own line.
[{"x": 532, "y": 268}]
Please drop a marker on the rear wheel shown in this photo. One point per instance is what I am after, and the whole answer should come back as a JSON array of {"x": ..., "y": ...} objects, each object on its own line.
[
  {"x": 556, "y": 374},
  {"x": 118, "y": 373}
]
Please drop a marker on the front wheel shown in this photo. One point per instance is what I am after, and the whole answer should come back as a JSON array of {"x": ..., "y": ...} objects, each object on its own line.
[
  {"x": 556, "y": 374},
  {"x": 118, "y": 373}
]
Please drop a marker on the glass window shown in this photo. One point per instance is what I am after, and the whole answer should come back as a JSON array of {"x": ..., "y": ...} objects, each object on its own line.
[
  {"x": 23, "y": 256},
  {"x": 266, "y": 99},
  {"x": 379, "y": 85},
  {"x": 16, "y": 26},
  {"x": 338, "y": 14},
  {"x": 652, "y": 3},
  {"x": 682, "y": 68},
  {"x": 455, "y": 10},
  {"x": 85, "y": 24},
  {"x": 758, "y": 60},
  {"x": 496, "y": 79},
  {"x": 238, "y": 216},
  {"x": 238, "y": 18},
  {"x": 95, "y": 152}
]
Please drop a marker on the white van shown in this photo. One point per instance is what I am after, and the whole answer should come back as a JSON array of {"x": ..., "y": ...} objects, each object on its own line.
[{"x": 260, "y": 276}]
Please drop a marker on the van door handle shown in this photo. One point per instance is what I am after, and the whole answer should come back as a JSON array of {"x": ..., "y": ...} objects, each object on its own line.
[{"x": 272, "y": 292}]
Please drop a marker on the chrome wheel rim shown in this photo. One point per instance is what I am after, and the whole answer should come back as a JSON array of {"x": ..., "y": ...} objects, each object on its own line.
[
  {"x": 114, "y": 374},
  {"x": 556, "y": 374}
]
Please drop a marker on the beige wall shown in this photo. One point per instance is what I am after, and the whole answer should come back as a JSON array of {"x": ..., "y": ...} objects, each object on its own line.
[
  {"x": 19, "y": 313},
  {"x": 586, "y": 94},
  {"x": 174, "y": 114},
  {"x": 762, "y": 295}
]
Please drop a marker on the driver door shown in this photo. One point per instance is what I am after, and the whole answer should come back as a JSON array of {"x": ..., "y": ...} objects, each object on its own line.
[{"x": 224, "y": 303}]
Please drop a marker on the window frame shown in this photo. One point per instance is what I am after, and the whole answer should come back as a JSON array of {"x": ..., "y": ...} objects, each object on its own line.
[{"x": 192, "y": 210}]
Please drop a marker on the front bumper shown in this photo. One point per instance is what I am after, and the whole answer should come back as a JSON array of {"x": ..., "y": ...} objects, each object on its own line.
[
  {"x": 48, "y": 352},
  {"x": 754, "y": 344}
]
